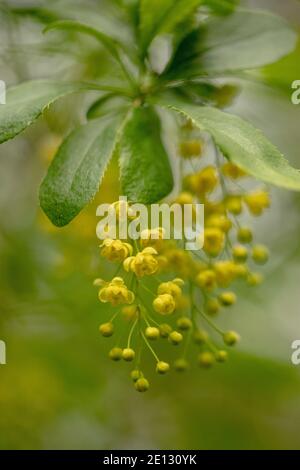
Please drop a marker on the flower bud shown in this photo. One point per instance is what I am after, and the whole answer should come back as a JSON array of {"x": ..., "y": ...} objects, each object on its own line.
[
  {"x": 221, "y": 356},
  {"x": 231, "y": 338},
  {"x": 136, "y": 374},
  {"x": 175, "y": 337},
  {"x": 162, "y": 367},
  {"x": 128, "y": 354},
  {"x": 227, "y": 298},
  {"x": 152, "y": 332},
  {"x": 184, "y": 323},
  {"x": 180, "y": 365},
  {"x": 260, "y": 254},
  {"x": 141, "y": 385},
  {"x": 115, "y": 354},
  {"x": 244, "y": 235},
  {"x": 240, "y": 253},
  {"x": 200, "y": 336},
  {"x": 165, "y": 330},
  {"x": 206, "y": 359},
  {"x": 106, "y": 329}
]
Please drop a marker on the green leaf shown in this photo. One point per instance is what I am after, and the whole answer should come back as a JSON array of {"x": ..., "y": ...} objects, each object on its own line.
[
  {"x": 162, "y": 16},
  {"x": 71, "y": 25},
  {"x": 146, "y": 176},
  {"x": 26, "y": 102},
  {"x": 241, "y": 143},
  {"x": 222, "y": 7},
  {"x": 37, "y": 13},
  {"x": 75, "y": 173},
  {"x": 243, "y": 40},
  {"x": 107, "y": 104}
]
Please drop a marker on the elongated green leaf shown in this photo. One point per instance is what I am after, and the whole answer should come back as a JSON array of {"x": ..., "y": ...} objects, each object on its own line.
[
  {"x": 106, "y": 105},
  {"x": 243, "y": 40},
  {"x": 222, "y": 7},
  {"x": 71, "y": 25},
  {"x": 162, "y": 16},
  {"x": 146, "y": 176},
  {"x": 74, "y": 175},
  {"x": 26, "y": 102},
  {"x": 241, "y": 143}
]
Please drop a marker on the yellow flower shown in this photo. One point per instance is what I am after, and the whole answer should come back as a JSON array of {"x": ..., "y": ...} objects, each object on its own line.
[
  {"x": 206, "y": 279},
  {"x": 115, "y": 250},
  {"x": 233, "y": 171},
  {"x": 164, "y": 304},
  {"x": 225, "y": 272},
  {"x": 116, "y": 292},
  {"x": 254, "y": 279},
  {"x": 184, "y": 198},
  {"x": 240, "y": 253},
  {"x": 180, "y": 261},
  {"x": 152, "y": 237},
  {"x": 171, "y": 287},
  {"x": 191, "y": 148},
  {"x": 143, "y": 264},
  {"x": 234, "y": 204},
  {"x": 205, "y": 181},
  {"x": 257, "y": 201},
  {"x": 260, "y": 254},
  {"x": 219, "y": 221},
  {"x": 129, "y": 312},
  {"x": 213, "y": 241},
  {"x": 123, "y": 210}
]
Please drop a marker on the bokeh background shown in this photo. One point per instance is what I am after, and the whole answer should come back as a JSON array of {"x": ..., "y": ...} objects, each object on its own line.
[{"x": 59, "y": 390}]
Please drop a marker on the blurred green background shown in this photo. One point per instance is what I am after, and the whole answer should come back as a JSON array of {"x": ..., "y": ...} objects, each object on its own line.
[{"x": 59, "y": 390}]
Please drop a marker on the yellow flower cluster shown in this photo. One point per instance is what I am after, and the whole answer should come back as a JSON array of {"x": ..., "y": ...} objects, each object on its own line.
[
  {"x": 115, "y": 250},
  {"x": 144, "y": 263},
  {"x": 116, "y": 292},
  {"x": 185, "y": 288}
]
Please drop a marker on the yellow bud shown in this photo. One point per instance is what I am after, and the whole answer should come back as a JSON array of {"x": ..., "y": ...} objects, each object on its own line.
[
  {"x": 212, "y": 306},
  {"x": 240, "y": 253},
  {"x": 221, "y": 356},
  {"x": 260, "y": 254},
  {"x": 206, "y": 359},
  {"x": 141, "y": 385},
  {"x": 257, "y": 201},
  {"x": 128, "y": 354},
  {"x": 184, "y": 323},
  {"x": 136, "y": 374},
  {"x": 184, "y": 198},
  {"x": 234, "y": 204},
  {"x": 227, "y": 298},
  {"x": 213, "y": 241},
  {"x": 115, "y": 354},
  {"x": 233, "y": 171},
  {"x": 152, "y": 332},
  {"x": 206, "y": 280},
  {"x": 231, "y": 338},
  {"x": 180, "y": 365},
  {"x": 175, "y": 338},
  {"x": 254, "y": 279},
  {"x": 244, "y": 235},
  {"x": 191, "y": 148},
  {"x": 106, "y": 329},
  {"x": 165, "y": 330},
  {"x": 200, "y": 336},
  {"x": 162, "y": 367}
]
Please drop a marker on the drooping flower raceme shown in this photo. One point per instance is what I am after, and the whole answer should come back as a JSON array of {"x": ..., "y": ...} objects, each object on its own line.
[{"x": 166, "y": 292}]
